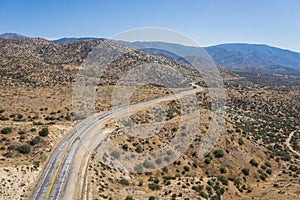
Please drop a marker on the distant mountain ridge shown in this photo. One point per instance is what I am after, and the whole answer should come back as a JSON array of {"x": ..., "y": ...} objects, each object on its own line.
[
  {"x": 12, "y": 36},
  {"x": 254, "y": 55},
  {"x": 235, "y": 55},
  {"x": 70, "y": 40},
  {"x": 230, "y": 56}
]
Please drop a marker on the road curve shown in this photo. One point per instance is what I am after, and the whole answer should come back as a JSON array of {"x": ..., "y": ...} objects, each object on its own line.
[{"x": 55, "y": 177}]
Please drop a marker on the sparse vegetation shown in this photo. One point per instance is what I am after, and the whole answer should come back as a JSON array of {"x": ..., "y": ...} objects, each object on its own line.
[
  {"x": 44, "y": 132},
  {"x": 24, "y": 148},
  {"x": 124, "y": 181},
  {"x": 218, "y": 153},
  {"x": 6, "y": 130}
]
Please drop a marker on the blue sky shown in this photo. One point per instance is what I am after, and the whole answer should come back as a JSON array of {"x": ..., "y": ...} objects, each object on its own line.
[{"x": 273, "y": 22}]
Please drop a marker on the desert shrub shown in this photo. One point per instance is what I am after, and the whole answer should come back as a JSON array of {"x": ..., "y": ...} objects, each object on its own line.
[
  {"x": 203, "y": 194},
  {"x": 124, "y": 181},
  {"x": 138, "y": 168},
  {"x": 241, "y": 141},
  {"x": 154, "y": 186},
  {"x": 268, "y": 164},
  {"x": 35, "y": 140},
  {"x": 263, "y": 167},
  {"x": 147, "y": 164},
  {"x": 158, "y": 161},
  {"x": 38, "y": 123},
  {"x": 215, "y": 197},
  {"x": 68, "y": 117},
  {"x": 186, "y": 168},
  {"x": 207, "y": 161},
  {"x": 8, "y": 154},
  {"x": 19, "y": 116},
  {"x": 263, "y": 176},
  {"x": 11, "y": 148},
  {"x": 44, "y": 132},
  {"x": 219, "y": 153},
  {"x": 115, "y": 154},
  {"x": 140, "y": 183},
  {"x": 129, "y": 198},
  {"x": 165, "y": 169},
  {"x": 21, "y": 132},
  {"x": 269, "y": 171},
  {"x": 245, "y": 171},
  {"x": 22, "y": 137},
  {"x": 293, "y": 168},
  {"x": 253, "y": 163},
  {"x": 125, "y": 146},
  {"x": 50, "y": 118},
  {"x": 222, "y": 179},
  {"x": 223, "y": 170},
  {"x": 156, "y": 180},
  {"x": 285, "y": 156},
  {"x": 151, "y": 198},
  {"x": 197, "y": 188},
  {"x": 3, "y": 118},
  {"x": 6, "y": 130},
  {"x": 139, "y": 149},
  {"x": 24, "y": 148}
]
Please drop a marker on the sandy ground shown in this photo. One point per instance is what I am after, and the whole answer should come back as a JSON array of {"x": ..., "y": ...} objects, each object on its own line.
[{"x": 16, "y": 181}]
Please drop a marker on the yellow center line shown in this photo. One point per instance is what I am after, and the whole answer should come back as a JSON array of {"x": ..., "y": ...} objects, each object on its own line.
[{"x": 59, "y": 165}]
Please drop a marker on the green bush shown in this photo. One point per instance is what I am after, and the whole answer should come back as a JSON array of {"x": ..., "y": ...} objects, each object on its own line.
[
  {"x": 44, "y": 132},
  {"x": 222, "y": 179},
  {"x": 140, "y": 183},
  {"x": 24, "y": 148},
  {"x": 241, "y": 141},
  {"x": 154, "y": 186},
  {"x": 263, "y": 176},
  {"x": 269, "y": 171},
  {"x": 219, "y": 153},
  {"x": 223, "y": 170},
  {"x": 203, "y": 194},
  {"x": 38, "y": 123},
  {"x": 125, "y": 146},
  {"x": 124, "y": 181},
  {"x": 245, "y": 171},
  {"x": 21, "y": 132},
  {"x": 207, "y": 161},
  {"x": 186, "y": 168},
  {"x": 6, "y": 130},
  {"x": 139, "y": 149},
  {"x": 285, "y": 156},
  {"x": 35, "y": 140},
  {"x": 253, "y": 163},
  {"x": 197, "y": 188}
]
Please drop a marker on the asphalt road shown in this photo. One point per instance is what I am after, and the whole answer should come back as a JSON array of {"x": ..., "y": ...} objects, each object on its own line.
[{"x": 55, "y": 175}]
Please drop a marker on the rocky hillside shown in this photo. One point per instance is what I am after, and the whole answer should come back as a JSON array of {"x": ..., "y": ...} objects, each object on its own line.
[{"x": 39, "y": 62}]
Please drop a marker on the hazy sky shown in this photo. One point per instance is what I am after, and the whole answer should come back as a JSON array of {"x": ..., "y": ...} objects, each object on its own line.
[{"x": 273, "y": 22}]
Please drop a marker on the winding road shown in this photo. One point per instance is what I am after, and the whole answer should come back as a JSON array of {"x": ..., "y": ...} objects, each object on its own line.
[{"x": 62, "y": 177}]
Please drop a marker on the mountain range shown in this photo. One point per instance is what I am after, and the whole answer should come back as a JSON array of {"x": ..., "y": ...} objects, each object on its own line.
[{"x": 230, "y": 56}]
